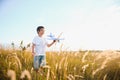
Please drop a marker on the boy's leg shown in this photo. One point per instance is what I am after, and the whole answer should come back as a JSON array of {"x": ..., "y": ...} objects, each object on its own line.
[
  {"x": 42, "y": 62},
  {"x": 36, "y": 63}
]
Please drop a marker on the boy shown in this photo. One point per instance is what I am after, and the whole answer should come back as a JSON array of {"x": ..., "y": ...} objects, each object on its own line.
[{"x": 38, "y": 48}]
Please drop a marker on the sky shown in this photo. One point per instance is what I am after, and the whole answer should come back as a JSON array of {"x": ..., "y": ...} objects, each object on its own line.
[{"x": 86, "y": 24}]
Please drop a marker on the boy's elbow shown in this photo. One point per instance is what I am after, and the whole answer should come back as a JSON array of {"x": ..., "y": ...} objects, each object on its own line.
[{"x": 33, "y": 45}]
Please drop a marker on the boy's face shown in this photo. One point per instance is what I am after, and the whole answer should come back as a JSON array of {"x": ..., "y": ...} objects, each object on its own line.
[{"x": 41, "y": 32}]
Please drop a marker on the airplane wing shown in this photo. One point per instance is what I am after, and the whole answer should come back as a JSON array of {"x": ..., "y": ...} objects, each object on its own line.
[
  {"x": 61, "y": 39},
  {"x": 55, "y": 38}
]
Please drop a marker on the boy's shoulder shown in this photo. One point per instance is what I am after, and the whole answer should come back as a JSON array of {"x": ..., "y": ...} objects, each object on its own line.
[{"x": 35, "y": 38}]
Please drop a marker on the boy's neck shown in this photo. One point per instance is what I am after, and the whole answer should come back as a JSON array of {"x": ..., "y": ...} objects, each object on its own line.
[{"x": 39, "y": 35}]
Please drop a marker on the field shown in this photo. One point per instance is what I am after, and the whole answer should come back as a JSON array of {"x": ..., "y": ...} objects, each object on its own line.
[{"x": 17, "y": 64}]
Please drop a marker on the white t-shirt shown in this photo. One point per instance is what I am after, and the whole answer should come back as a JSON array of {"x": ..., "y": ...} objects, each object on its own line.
[{"x": 40, "y": 45}]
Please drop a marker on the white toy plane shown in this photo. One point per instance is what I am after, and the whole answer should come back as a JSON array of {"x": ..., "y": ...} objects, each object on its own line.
[{"x": 52, "y": 37}]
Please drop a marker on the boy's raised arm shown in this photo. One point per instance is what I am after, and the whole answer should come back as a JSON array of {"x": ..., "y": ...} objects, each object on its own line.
[{"x": 49, "y": 45}]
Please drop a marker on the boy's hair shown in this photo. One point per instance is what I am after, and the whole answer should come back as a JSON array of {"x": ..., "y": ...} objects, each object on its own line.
[{"x": 39, "y": 28}]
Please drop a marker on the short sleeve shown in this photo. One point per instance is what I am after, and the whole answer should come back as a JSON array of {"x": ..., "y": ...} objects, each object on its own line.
[{"x": 34, "y": 40}]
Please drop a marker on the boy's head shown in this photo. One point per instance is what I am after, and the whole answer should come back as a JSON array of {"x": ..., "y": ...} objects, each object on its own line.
[{"x": 40, "y": 30}]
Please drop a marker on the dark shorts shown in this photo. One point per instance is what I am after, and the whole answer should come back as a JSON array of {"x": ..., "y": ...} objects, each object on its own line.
[{"x": 39, "y": 61}]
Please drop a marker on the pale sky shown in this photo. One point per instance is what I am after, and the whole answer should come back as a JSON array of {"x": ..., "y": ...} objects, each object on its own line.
[{"x": 86, "y": 24}]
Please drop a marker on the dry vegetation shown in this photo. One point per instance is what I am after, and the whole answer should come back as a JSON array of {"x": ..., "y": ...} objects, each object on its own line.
[{"x": 63, "y": 65}]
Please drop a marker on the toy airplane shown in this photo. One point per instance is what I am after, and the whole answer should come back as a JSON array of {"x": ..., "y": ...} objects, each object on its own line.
[{"x": 52, "y": 37}]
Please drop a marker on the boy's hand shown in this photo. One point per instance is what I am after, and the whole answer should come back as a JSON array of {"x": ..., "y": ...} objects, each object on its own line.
[
  {"x": 54, "y": 41},
  {"x": 48, "y": 45},
  {"x": 33, "y": 53}
]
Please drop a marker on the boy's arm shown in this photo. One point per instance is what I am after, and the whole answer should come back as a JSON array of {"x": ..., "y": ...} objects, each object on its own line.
[
  {"x": 33, "y": 46},
  {"x": 49, "y": 45}
]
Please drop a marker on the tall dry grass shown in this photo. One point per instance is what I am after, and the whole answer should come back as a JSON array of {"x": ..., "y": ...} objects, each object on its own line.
[{"x": 17, "y": 64}]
